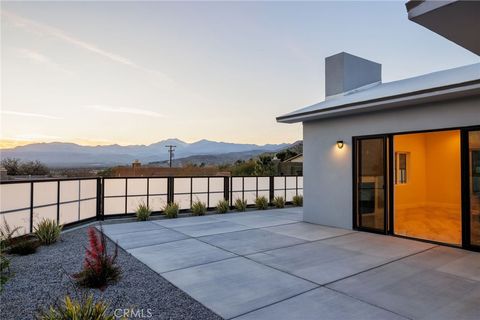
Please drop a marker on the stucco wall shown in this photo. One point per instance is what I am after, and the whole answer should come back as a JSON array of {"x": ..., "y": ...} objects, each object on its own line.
[{"x": 328, "y": 170}]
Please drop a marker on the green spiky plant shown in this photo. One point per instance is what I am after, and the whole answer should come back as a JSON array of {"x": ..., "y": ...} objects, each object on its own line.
[
  {"x": 240, "y": 205},
  {"x": 171, "y": 210},
  {"x": 261, "y": 203},
  {"x": 143, "y": 212},
  {"x": 81, "y": 309},
  {"x": 279, "y": 202},
  {"x": 199, "y": 208},
  {"x": 223, "y": 206},
  {"x": 297, "y": 201},
  {"x": 48, "y": 231}
]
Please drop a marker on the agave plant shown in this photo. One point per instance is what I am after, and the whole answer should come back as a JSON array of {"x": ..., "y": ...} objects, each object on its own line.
[{"x": 48, "y": 231}]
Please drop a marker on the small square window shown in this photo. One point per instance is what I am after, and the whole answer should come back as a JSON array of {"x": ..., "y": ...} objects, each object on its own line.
[{"x": 401, "y": 167}]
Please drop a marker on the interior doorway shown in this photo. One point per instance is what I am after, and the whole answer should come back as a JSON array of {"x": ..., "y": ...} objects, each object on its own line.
[{"x": 427, "y": 186}]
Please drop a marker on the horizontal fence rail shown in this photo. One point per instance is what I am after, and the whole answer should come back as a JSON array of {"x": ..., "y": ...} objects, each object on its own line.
[{"x": 23, "y": 203}]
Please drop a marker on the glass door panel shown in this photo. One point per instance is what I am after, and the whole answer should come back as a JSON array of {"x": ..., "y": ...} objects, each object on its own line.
[
  {"x": 474, "y": 183},
  {"x": 370, "y": 189}
]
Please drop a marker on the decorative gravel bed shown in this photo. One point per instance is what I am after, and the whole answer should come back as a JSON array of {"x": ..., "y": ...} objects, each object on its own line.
[{"x": 41, "y": 279}]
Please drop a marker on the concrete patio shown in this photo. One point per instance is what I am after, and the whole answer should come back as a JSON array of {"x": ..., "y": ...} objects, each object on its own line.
[{"x": 271, "y": 265}]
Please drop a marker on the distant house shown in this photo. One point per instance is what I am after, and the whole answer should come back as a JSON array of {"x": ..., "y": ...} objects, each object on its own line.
[
  {"x": 292, "y": 166},
  {"x": 399, "y": 158}
]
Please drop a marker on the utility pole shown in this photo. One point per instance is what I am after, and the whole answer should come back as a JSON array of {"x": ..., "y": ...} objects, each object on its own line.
[{"x": 171, "y": 150}]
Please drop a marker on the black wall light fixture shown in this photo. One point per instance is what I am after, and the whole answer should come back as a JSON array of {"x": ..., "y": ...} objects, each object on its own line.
[{"x": 340, "y": 144}]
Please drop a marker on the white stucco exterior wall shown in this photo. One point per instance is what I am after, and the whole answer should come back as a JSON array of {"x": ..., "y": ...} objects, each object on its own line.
[{"x": 328, "y": 170}]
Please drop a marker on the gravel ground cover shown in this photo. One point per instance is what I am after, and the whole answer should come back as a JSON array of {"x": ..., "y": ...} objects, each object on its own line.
[{"x": 41, "y": 279}]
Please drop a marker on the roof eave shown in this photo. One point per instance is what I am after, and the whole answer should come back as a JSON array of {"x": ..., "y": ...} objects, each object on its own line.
[{"x": 462, "y": 90}]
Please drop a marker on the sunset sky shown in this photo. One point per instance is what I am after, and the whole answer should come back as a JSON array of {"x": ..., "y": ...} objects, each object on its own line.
[{"x": 139, "y": 72}]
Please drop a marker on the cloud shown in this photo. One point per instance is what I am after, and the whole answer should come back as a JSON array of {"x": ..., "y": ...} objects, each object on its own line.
[
  {"x": 134, "y": 111},
  {"x": 40, "y": 58},
  {"x": 29, "y": 114},
  {"x": 46, "y": 30}
]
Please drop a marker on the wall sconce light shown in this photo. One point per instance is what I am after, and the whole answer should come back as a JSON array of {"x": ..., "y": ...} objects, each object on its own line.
[{"x": 340, "y": 144}]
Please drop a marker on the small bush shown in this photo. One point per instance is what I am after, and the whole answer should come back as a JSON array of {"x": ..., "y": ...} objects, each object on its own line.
[
  {"x": 240, "y": 205},
  {"x": 261, "y": 203},
  {"x": 297, "y": 201},
  {"x": 143, "y": 212},
  {"x": 83, "y": 309},
  {"x": 7, "y": 234},
  {"x": 199, "y": 208},
  {"x": 48, "y": 231},
  {"x": 279, "y": 202},
  {"x": 4, "y": 270},
  {"x": 171, "y": 210},
  {"x": 223, "y": 206},
  {"x": 24, "y": 246},
  {"x": 99, "y": 268}
]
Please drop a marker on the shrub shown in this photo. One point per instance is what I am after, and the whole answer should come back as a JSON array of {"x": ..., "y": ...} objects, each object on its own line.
[
  {"x": 7, "y": 234},
  {"x": 297, "y": 201},
  {"x": 240, "y": 205},
  {"x": 171, "y": 210},
  {"x": 261, "y": 203},
  {"x": 82, "y": 309},
  {"x": 223, "y": 206},
  {"x": 99, "y": 268},
  {"x": 279, "y": 202},
  {"x": 4, "y": 269},
  {"x": 24, "y": 246},
  {"x": 199, "y": 208},
  {"x": 48, "y": 231},
  {"x": 143, "y": 212}
]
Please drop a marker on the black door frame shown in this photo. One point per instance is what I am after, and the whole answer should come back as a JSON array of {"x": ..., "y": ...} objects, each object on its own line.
[{"x": 389, "y": 183}]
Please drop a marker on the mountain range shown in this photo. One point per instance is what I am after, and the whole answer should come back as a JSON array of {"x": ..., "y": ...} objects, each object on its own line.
[{"x": 62, "y": 154}]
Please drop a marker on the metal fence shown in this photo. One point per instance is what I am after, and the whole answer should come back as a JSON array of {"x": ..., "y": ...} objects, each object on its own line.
[{"x": 69, "y": 201}]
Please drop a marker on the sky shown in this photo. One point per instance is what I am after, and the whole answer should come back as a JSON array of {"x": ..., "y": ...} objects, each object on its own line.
[{"x": 139, "y": 72}]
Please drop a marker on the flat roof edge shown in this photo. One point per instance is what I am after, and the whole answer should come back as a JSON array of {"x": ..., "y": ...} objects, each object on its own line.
[{"x": 470, "y": 86}]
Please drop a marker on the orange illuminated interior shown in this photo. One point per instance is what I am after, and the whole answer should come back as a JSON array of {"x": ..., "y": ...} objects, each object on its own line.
[{"x": 427, "y": 199}]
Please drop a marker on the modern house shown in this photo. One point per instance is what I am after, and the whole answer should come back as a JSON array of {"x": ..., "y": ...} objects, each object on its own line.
[{"x": 399, "y": 158}]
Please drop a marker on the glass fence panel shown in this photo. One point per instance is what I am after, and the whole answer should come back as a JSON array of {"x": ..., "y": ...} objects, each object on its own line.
[
  {"x": 181, "y": 185},
  {"x": 114, "y": 205},
  {"x": 201, "y": 197},
  {"x": 88, "y": 189},
  {"x": 250, "y": 184},
  {"x": 114, "y": 187},
  {"x": 290, "y": 195},
  {"x": 237, "y": 184},
  {"x": 236, "y": 195},
  {"x": 214, "y": 199},
  {"x": 137, "y": 187},
  {"x": 199, "y": 185},
  {"x": 15, "y": 219},
  {"x": 158, "y": 186},
  {"x": 291, "y": 182},
  {"x": 88, "y": 209},
  {"x": 68, "y": 190},
  {"x": 263, "y": 183},
  {"x": 69, "y": 212},
  {"x": 217, "y": 184},
  {"x": 134, "y": 202},
  {"x": 49, "y": 212},
  {"x": 14, "y": 196},
  {"x": 44, "y": 193},
  {"x": 157, "y": 203},
  {"x": 183, "y": 200}
]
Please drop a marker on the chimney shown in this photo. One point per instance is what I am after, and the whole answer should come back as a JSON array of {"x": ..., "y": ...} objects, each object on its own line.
[{"x": 345, "y": 72}]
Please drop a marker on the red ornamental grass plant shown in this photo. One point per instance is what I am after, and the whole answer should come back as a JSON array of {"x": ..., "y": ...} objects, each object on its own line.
[{"x": 99, "y": 268}]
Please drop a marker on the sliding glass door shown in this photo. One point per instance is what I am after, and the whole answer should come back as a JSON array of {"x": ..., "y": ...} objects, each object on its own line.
[
  {"x": 474, "y": 186},
  {"x": 370, "y": 184}
]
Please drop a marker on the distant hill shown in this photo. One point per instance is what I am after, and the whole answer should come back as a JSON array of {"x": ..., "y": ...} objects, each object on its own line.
[{"x": 60, "y": 154}]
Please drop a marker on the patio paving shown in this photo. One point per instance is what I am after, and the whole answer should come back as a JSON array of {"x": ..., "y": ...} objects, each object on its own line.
[{"x": 270, "y": 265}]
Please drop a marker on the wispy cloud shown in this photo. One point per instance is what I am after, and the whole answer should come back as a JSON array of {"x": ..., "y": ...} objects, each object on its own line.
[
  {"x": 37, "y": 57},
  {"x": 134, "y": 111},
  {"x": 46, "y": 30},
  {"x": 29, "y": 114}
]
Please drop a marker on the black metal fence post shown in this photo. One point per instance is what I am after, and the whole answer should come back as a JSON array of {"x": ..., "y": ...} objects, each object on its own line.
[
  {"x": 100, "y": 200},
  {"x": 31, "y": 207},
  {"x": 58, "y": 202},
  {"x": 170, "y": 190},
  {"x": 226, "y": 189},
  {"x": 148, "y": 192},
  {"x": 271, "y": 189}
]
